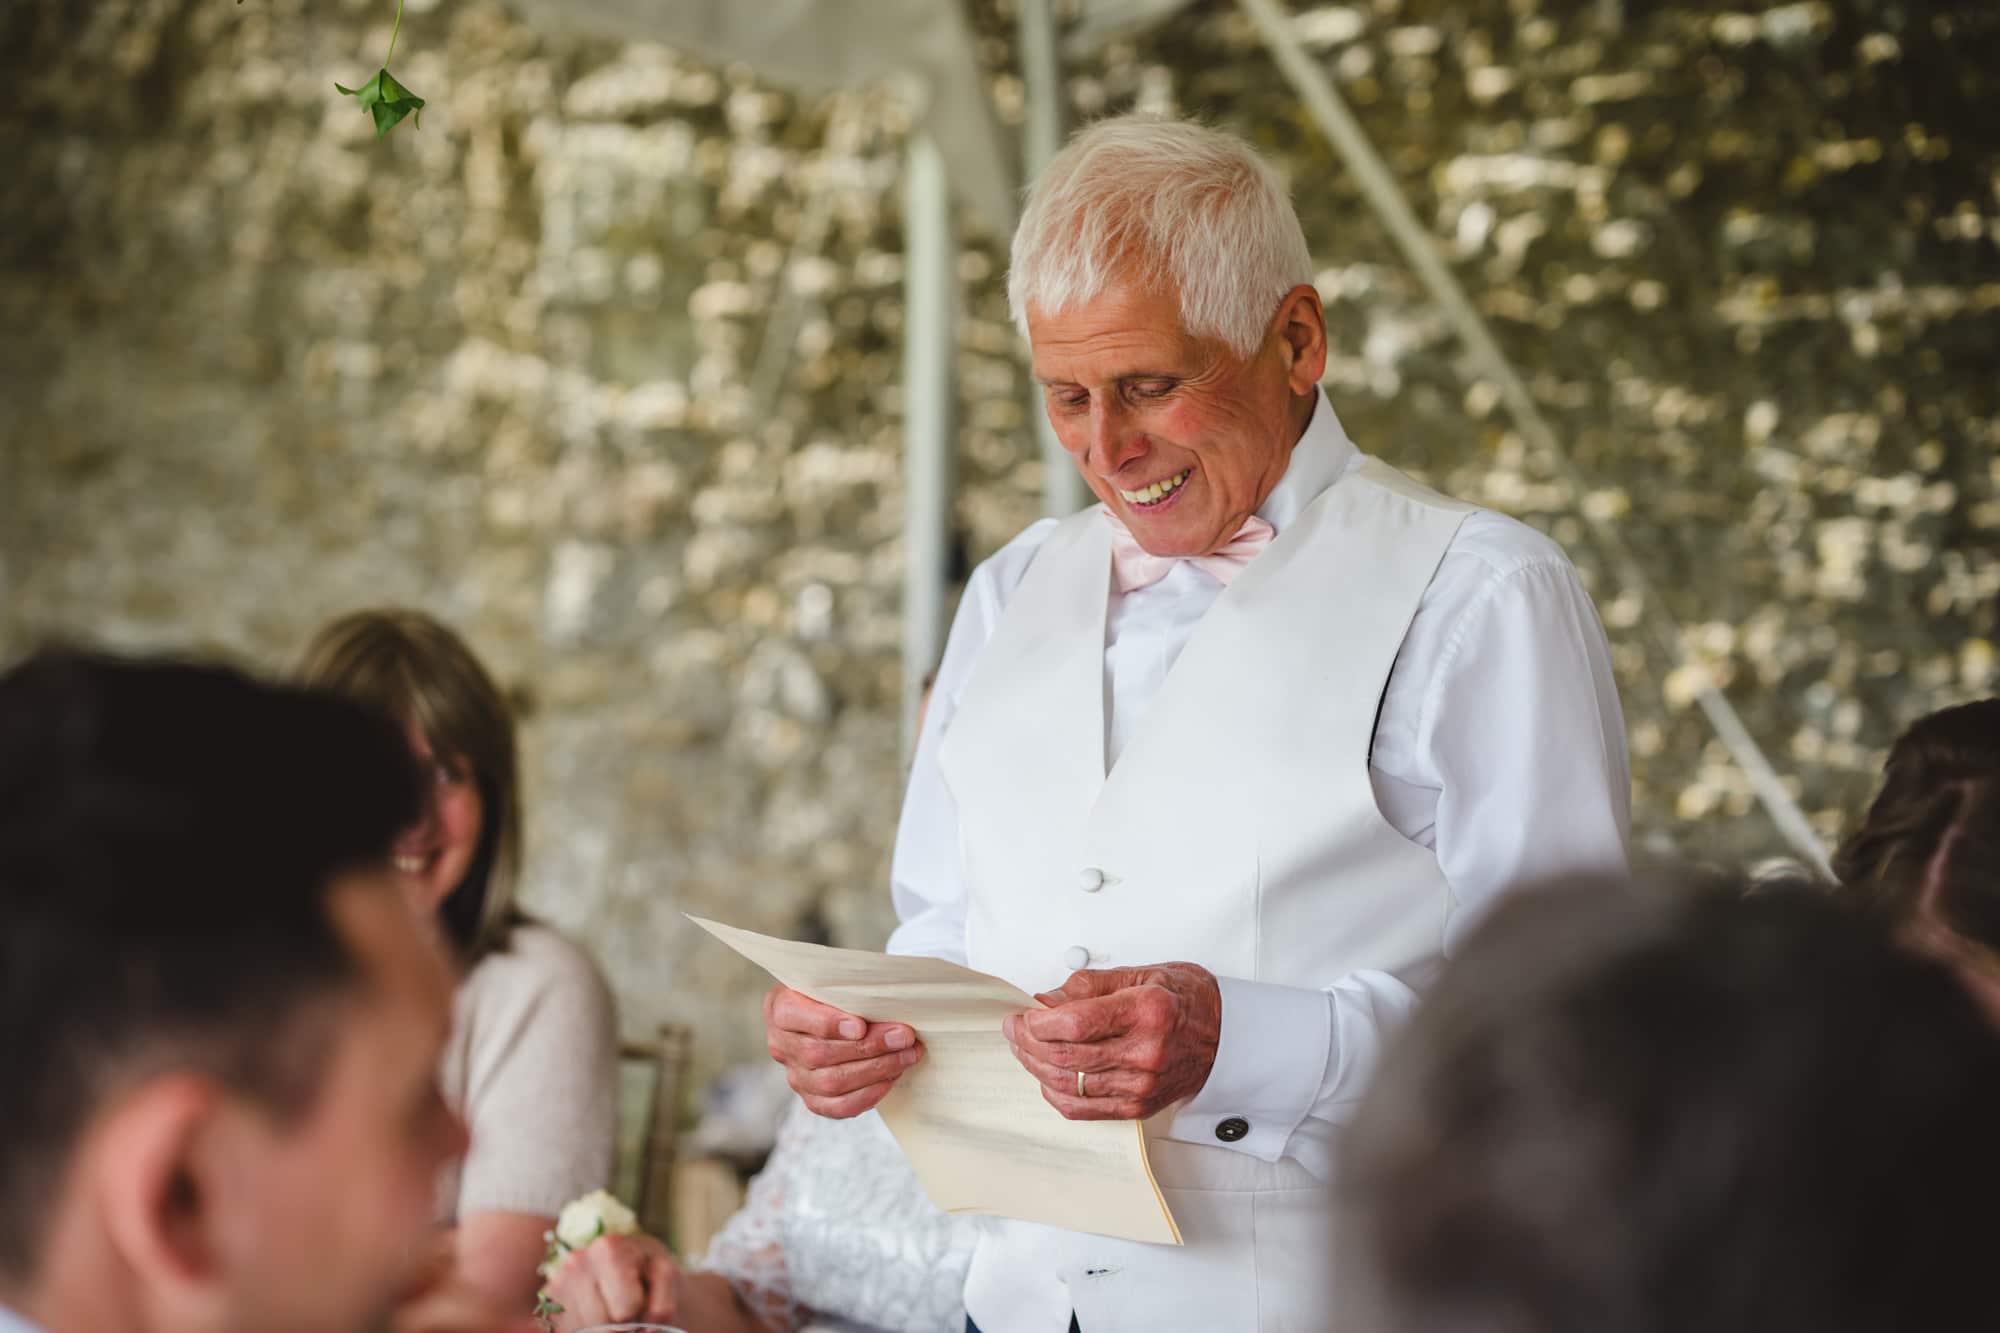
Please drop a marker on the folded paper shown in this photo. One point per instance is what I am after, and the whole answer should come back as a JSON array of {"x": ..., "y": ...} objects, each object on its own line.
[{"x": 971, "y": 1120}]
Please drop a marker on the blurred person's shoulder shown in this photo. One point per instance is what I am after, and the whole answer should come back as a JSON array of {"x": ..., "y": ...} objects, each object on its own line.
[{"x": 535, "y": 963}]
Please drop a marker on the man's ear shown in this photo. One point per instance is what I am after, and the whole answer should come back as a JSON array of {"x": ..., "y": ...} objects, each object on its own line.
[
  {"x": 1301, "y": 328},
  {"x": 155, "y": 1187}
]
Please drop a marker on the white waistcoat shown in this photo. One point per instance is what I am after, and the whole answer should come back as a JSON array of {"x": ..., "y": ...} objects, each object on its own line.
[{"x": 1238, "y": 830}]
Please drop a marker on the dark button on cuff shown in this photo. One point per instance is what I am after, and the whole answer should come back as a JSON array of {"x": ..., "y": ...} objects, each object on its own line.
[{"x": 1232, "y": 1129}]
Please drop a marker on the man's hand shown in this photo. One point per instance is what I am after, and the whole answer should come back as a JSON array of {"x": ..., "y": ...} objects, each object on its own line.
[
  {"x": 1143, "y": 1037},
  {"x": 615, "y": 1280},
  {"x": 839, "y": 1065}
]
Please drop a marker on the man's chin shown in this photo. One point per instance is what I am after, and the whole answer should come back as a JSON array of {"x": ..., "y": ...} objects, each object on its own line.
[
  {"x": 338, "y": 1315},
  {"x": 384, "y": 1321},
  {"x": 1172, "y": 540}
]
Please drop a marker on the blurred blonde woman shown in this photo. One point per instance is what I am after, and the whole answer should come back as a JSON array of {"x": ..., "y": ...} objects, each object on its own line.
[{"x": 532, "y": 1060}]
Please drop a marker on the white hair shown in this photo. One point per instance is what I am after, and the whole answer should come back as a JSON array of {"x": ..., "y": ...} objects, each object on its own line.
[{"x": 1193, "y": 207}]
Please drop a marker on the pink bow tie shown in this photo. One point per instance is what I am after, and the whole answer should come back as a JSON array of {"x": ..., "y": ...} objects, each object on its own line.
[{"x": 1133, "y": 566}]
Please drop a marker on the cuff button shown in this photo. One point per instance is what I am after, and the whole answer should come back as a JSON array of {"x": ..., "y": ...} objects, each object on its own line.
[{"x": 1232, "y": 1129}]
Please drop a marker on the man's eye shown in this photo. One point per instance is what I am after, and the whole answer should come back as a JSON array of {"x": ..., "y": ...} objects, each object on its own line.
[
  {"x": 1152, "y": 388},
  {"x": 1070, "y": 399}
]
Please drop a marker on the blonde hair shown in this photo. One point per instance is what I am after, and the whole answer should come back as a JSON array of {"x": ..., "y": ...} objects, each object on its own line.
[
  {"x": 411, "y": 667},
  {"x": 1193, "y": 206}
]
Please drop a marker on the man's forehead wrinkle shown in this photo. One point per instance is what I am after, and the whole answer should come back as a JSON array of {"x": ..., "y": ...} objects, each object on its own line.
[
  {"x": 1110, "y": 358},
  {"x": 1097, "y": 344}
]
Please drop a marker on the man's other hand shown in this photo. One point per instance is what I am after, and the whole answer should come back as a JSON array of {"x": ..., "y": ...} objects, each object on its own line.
[{"x": 1142, "y": 1037}]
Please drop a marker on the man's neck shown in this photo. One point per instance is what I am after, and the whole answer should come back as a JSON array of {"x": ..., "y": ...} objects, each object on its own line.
[
  {"x": 80, "y": 1289},
  {"x": 1303, "y": 406},
  {"x": 20, "y": 1312},
  {"x": 1300, "y": 414},
  {"x": 14, "y": 1316}
]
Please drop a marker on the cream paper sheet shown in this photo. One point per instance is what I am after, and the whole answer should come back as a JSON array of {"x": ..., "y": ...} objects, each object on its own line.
[{"x": 970, "y": 1119}]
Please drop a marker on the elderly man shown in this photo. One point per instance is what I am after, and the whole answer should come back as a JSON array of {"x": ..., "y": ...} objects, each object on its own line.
[
  {"x": 221, "y": 1021},
  {"x": 1228, "y": 763}
]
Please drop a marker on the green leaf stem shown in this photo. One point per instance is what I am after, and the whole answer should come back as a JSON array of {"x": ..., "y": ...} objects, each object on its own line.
[{"x": 382, "y": 97}]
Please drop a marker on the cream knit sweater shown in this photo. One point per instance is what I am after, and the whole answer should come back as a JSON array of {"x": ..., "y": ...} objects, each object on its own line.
[{"x": 532, "y": 1065}]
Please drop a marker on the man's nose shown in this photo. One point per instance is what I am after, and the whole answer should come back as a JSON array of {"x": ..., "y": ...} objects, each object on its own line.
[{"x": 1112, "y": 442}]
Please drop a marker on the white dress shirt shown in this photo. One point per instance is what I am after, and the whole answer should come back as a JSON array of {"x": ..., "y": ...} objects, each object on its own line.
[{"x": 1499, "y": 745}]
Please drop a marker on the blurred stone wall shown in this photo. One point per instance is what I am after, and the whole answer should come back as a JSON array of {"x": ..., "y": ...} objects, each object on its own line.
[{"x": 518, "y": 366}]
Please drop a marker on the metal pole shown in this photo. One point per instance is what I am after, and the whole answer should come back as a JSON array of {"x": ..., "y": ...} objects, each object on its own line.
[
  {"x": 930, "y": 299},
  {"x": 1041, "y": 74},
  {"x": 1379, "y": 187}
]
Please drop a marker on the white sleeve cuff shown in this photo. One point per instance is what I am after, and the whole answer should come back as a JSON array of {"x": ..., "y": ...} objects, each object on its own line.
[{"x": 1269, "y": 1064}]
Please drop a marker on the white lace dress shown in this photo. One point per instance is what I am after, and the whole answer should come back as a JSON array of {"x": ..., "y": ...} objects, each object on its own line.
[{"x": 836, "y": 1233}]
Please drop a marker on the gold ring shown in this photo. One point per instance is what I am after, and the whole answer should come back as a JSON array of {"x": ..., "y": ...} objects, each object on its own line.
[{"x": 1079, "y": 1085}]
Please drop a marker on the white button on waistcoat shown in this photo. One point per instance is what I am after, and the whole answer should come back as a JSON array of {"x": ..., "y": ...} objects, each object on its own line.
[
  {"x": 1076, "y": 958},
  {"x": 1091, "y": 880}
]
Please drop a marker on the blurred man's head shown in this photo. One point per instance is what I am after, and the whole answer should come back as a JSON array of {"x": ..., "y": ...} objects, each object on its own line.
[
  {"x": 1629, "y": 1112},
  {"x": 221, "y": 1021}
]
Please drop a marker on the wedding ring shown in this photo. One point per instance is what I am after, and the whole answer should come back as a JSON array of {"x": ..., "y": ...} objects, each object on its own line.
[{"x": 1079, "y": 1085}]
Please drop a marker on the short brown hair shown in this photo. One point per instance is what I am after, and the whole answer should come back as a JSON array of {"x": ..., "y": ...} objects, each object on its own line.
[
  {"x": 165, "y": 899},
  {"x": 412, "y": 667}
]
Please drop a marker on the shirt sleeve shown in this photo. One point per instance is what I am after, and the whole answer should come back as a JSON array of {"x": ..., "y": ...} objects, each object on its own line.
[
  {"x": 1525, "y": 792},
  {"x": 1539, "y": 787},
  {"x": 541, "y": 1092}
]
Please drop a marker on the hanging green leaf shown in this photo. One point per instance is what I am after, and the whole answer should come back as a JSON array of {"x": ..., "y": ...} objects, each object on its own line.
[
  {"x": 382, "y": 97},
  {"x": 387, "y": 100}
]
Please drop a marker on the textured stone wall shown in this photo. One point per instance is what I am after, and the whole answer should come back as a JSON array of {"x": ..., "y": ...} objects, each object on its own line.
[{"x": 518, "y": 366}]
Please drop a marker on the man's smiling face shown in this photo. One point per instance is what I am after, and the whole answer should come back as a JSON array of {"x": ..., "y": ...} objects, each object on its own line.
[{"x": 1178, "y": 435}]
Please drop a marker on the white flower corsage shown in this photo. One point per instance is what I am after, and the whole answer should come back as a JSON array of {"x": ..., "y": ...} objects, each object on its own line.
[{"x": 598, "y": 1213}]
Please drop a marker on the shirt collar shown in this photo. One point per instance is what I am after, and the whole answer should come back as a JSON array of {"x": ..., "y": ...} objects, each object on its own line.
[{"x": 1318, "y": 460}]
